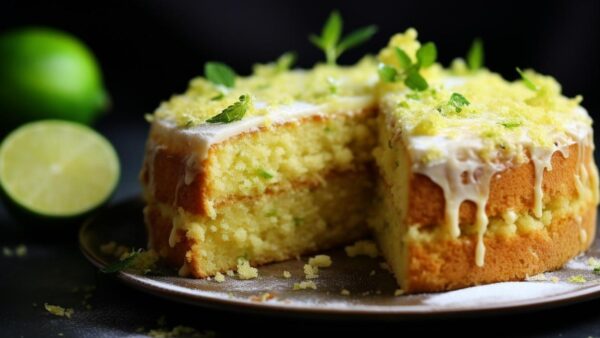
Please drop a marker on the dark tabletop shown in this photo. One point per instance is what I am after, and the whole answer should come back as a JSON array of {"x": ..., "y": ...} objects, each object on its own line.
[{"x": 54, "y": 271}]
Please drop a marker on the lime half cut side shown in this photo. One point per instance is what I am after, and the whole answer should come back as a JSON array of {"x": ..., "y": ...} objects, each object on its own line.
[{"x": 57, "y": 168}]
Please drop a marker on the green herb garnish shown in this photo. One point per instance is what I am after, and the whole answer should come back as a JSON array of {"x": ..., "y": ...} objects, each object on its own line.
[
  {"x": 511, "y": 124},
  {"x": 387, "y": 73},
  {"x": 475, "y": 55},
  {"x": 285, "y": 61},
  {"x": 526, "y": 80},
  {"x": 121, "y": 264},
  {"x": 426, "y": 55},
  {"x": 415, "y": 81},
  {"x": 330, "y": 43},
  {"x": 596, "y": 270},
  {"x": 458, "y": 102},
  {"x": 232, "y": 113},
  {"x": 264, "y": 174},
  {"x": 219, "y": 74},
  {"x": 409, "y": 72},
  {"x": 403, "y": 58}
]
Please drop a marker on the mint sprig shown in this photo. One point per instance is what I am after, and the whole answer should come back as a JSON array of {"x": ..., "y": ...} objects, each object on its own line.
[
  {"x": 234, "y": 112},
  {"x": 426, "y": 55},
  {"x": 409, "y": 72},
  {"x": 219, "y": 74},
  {"x": 475, "y": 55},
  {"x": 329, "y": 40},
  {"x": 458, "y": 102},
  {"x": 285, "y": 61}
]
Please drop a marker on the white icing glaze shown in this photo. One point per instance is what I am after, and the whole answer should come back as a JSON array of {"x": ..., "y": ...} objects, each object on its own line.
[
  {"x": 464, "y": 176},
  {"x": 202, "y": 137}
]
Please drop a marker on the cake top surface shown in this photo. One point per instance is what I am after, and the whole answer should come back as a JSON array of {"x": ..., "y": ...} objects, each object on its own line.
[
  {"x": 271, "y": 88},
  {"x": 478, "y": 109}
]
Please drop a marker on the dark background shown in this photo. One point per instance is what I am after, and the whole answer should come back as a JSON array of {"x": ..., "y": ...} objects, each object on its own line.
[{"x": 149, "y": 50}]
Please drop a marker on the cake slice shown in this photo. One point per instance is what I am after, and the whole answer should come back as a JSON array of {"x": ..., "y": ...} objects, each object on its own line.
[
  {"x": 481, "y": 179},
  {"x": 292, "y": 176}
]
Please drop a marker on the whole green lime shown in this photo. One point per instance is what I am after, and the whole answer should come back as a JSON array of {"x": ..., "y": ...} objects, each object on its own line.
[{"x": 48, "y": 74}]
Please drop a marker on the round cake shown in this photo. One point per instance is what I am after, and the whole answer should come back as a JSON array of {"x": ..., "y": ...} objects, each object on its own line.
[{"x": 461, "y": 176}]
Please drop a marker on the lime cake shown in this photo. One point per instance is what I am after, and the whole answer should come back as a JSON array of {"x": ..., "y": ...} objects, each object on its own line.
[{"x": 462, "y": 177}]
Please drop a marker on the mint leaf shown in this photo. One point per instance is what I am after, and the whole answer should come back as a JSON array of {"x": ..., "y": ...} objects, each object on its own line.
[
  {"x": 475, "y": 55},
  {"x": 458, "y": 102},
  {"x": 356, "y": 38},
  {"x": 329, "y": 41},
  {"x": 264, "y": 174},
  {"x": 285, "y": 61},
  {"x": 232, "y": 113},
  {"x": 527, "y": 81},
  {"x": 414, "y": 80},
  {"x": 330, "y": 35},
  {"x": 332, "y": 30},
  {"x": 403, "y": 58},
  {"x": 387, "y": 73},
  {"x": 511, "y": 124},
  {"x": 121, "y": 264},
  {"x": 427, "y": 54},
  {"x": 219, "y": 74}
]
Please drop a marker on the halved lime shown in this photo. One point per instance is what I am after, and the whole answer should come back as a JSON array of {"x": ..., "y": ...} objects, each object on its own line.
[{"x": 57, "y": 168}]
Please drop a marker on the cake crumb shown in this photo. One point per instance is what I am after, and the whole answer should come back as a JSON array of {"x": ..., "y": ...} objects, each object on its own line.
[
  {"x": 398, "y": 292},
  {"x": 230, "y": 273},
  {"x": 307, "y": 284},
  {"x": 593, "y": 262},
  {"x": 362, "y": 248},
  {"x": 554, "y": 279},
  {"x": 345, "y": 292},
  {"x": 538, "y": 277},
  {"x": 219, "y": 277},
  {"x": 263, "y": 297},
  {"x": 366, "y": 293},
  {"x": 245, "y": 270},
  {"x": 287, "y": 274},
  {"x": 311, "y": 272},
  {"x": 320, "y": 261},
  {"x": 372, "y": 273},
  {"x": 59, "y": 310},
  {"x": 578, "y": 279}
]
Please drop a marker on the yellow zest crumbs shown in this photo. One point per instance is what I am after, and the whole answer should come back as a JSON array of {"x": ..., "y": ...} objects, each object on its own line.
[
  {"x": 578, "y": 279},
  {"x": 269, "y": 89},
  {"x": 219, "y": 277},
  {"x": 59, "y": 310},
  {"x": 287, "y": 274},
  {"x": 308, "y": 284},
  {"x": 345, "y": 292},
  {"x": 320, "y": 261},
  {"x": 362, "y": 248},
  {"x": 310, "y": 271},
  {"x": 245, "y": 271}
]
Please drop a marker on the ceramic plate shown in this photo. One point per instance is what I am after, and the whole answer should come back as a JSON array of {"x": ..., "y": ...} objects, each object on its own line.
[{"x": 371, "y": 288}]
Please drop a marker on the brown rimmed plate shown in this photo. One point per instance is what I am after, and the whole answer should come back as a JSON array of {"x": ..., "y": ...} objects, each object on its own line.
[{"x": 371, "y": 288}]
